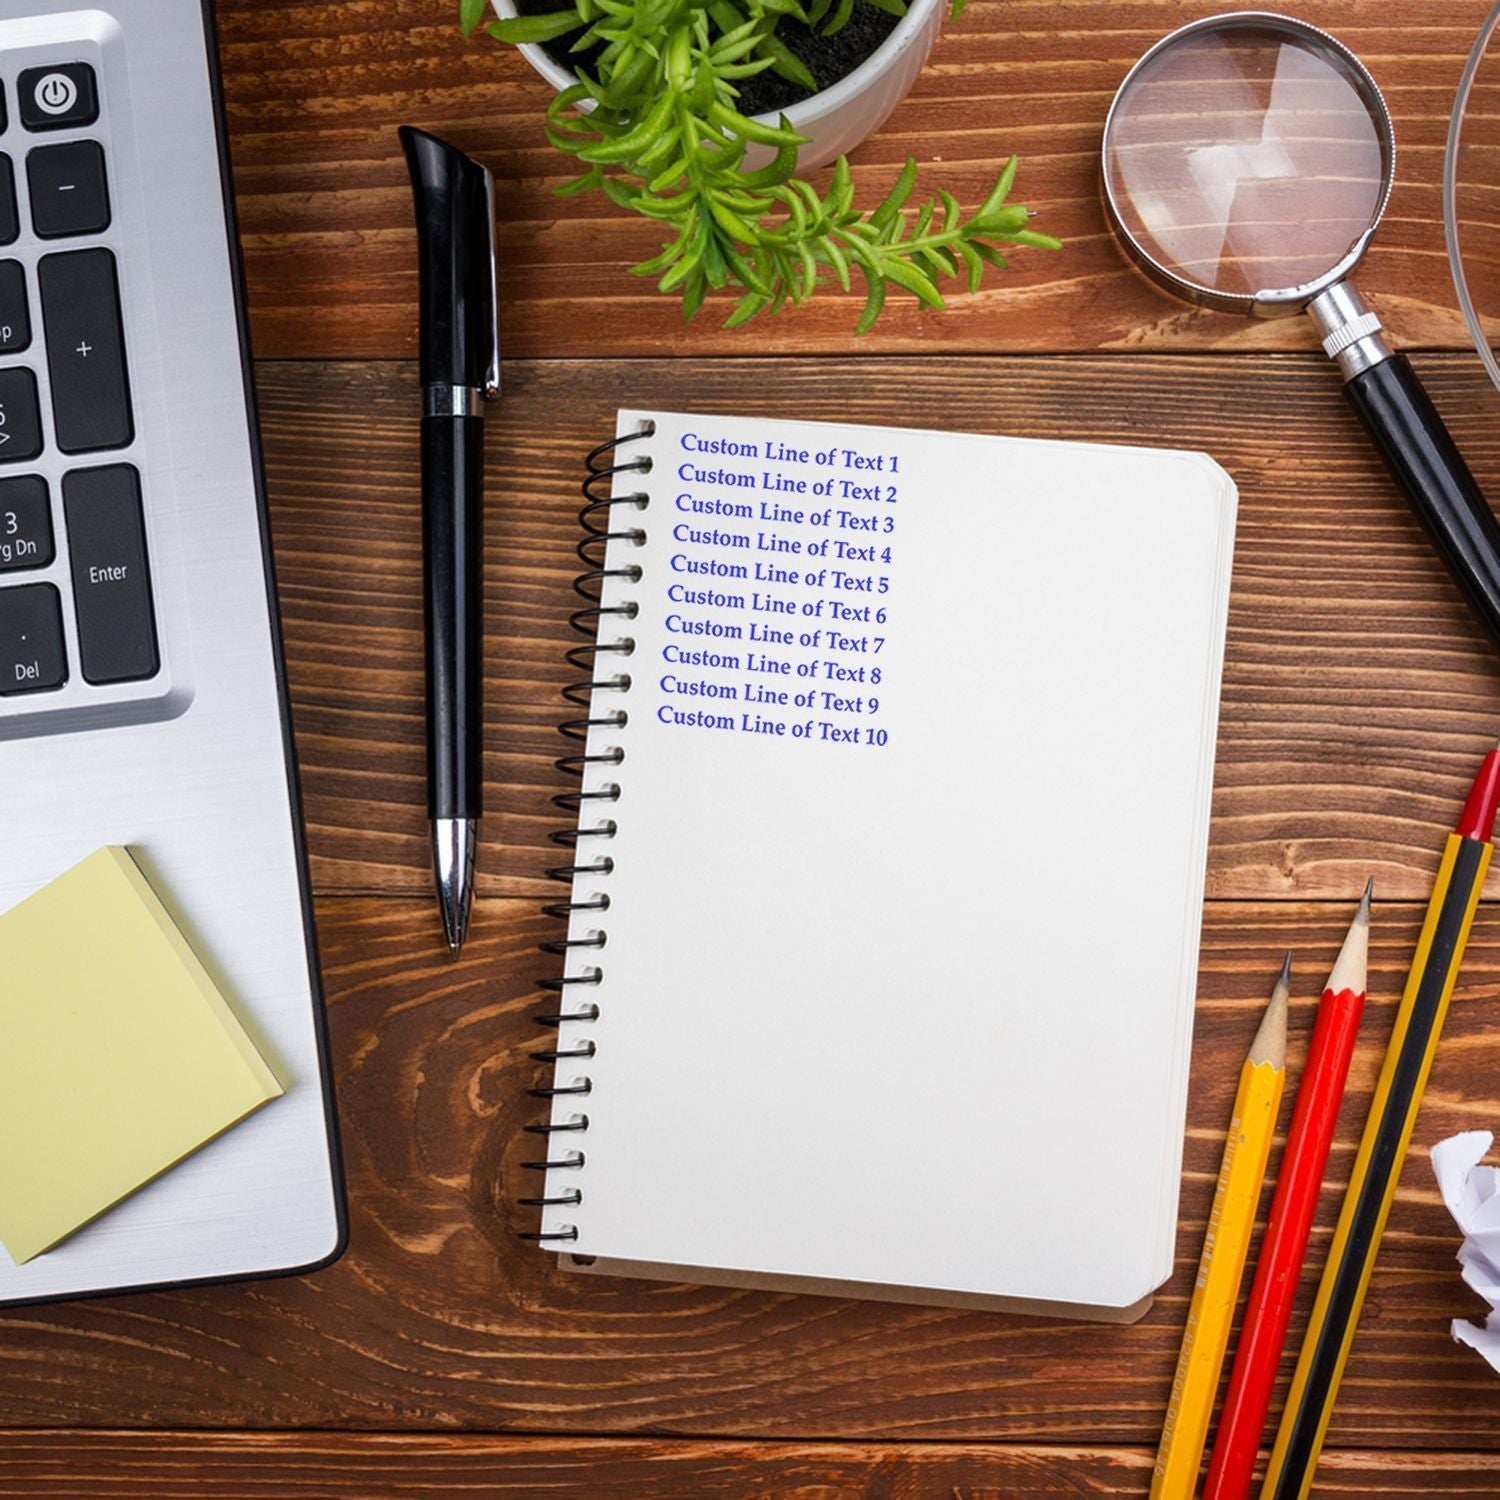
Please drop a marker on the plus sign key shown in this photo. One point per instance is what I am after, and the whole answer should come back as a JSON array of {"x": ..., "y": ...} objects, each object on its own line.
[
  {"x": 85, "y": 350},
  {"x": 32, "y": 657},
  {"x": 57, "y": 96}
]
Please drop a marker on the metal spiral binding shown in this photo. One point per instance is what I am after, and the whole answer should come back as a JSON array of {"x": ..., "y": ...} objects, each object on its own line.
[{"x": 597, "y": 521}]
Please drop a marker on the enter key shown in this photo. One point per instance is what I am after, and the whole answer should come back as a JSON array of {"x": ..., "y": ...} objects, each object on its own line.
[{"x": 111, "y": 575}]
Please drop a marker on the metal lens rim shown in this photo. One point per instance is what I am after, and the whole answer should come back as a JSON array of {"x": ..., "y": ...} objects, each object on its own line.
[{"x": 1269, "y": 302}]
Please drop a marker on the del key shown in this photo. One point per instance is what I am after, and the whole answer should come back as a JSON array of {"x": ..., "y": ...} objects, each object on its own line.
[{"x": 85, "y": 350}]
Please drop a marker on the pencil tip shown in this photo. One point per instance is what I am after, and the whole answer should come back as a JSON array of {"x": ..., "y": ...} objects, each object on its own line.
[
  {"x": 1269, "y": 1045},
  {"x": 1351, "y": 966}
]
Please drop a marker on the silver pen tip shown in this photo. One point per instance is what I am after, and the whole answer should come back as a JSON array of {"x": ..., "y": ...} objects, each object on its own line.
[{"x": 453, "y": 848}]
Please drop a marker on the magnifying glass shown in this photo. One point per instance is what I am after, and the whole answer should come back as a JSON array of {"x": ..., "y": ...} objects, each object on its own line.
[{"x": 1247, "y": 161}]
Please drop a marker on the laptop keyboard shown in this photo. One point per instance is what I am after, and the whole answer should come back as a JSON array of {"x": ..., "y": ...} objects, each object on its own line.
[{"x": 82, "y": 520}]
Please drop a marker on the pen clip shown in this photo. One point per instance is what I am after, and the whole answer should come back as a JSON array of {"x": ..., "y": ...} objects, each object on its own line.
[{"x": 492, "y": 370}]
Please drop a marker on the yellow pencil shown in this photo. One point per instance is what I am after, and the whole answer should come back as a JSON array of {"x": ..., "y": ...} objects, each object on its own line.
[{"x": 1226, "y": 1246}]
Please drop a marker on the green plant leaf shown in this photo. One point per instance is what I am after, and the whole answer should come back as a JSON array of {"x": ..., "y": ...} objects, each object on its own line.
[
  {"x": 840, "y": 190},
  {"x": 566, "y": 99},
  {"x": 796, "y": 214},
  {"x": 636, "y": 140},
  {"x": 618, "y": 191},
  {"x": 894, "y": 201},
  {"x": 669, "y": 254},
  {"x": 576, "y": 185},
  {"x": 745, "y": 70},
  {"x": 1036, "y": 240},
  {"x": 713, "y": 261},
  {"x": 776, "y": 171},
  {"x": 874, "y": 302},
  {"x": 1010, "y": 219},
  {"x": 1001, "y": 190},
  {"x": 840, "y": 18},
  {"x": 746, "y": 308},
  {"x": 669, "y": 176},
  {"x": 970, "y": 257},
  {"x": 743, "y": 268},
  {"x": 470, "y": 14},
  {"x": 664, "y": 208},
  {"x": 940, "y": 259},
  {"x": 747, "y": 129},
  {"x": 534, "y": 28},
  {"x": 906, "y": 275},
  {"x": 731, "y": 223},
  {"x": 839, "y": 262},
  {"x": 809, "y": 283},
  {"x": 786, "y": 62},
  {"x": 691, "y": 264}
]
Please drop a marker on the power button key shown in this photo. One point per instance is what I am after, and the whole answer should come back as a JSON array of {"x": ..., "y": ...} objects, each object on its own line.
[{"x": 58, "y": 96}]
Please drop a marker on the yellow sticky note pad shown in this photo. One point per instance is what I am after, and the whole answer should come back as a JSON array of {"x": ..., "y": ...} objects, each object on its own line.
[{"x": 119, "y": 1056}]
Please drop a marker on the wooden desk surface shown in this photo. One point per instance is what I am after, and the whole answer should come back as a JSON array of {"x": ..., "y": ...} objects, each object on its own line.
[{"x": 442, "y": 1358}]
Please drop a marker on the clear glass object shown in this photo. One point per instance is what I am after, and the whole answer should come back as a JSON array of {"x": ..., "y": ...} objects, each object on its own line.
[
  {"x": 1247, "y": 156},
  {"x": 1471, "y": 194}
]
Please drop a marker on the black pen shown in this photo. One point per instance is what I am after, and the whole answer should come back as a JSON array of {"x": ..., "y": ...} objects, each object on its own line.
[{"x": 460, "y": 371}]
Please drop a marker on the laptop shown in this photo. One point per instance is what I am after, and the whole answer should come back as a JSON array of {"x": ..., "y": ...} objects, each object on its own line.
[{"x": 142, "y": 692}]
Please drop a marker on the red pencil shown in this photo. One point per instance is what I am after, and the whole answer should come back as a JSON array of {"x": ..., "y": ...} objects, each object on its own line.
[{"x": 1296, "y": 1200}]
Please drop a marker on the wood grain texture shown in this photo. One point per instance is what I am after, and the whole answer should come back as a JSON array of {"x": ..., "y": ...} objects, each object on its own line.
[
  {"x": 1358, "y": 695},
  {"x": 315, "y": 91},
  {"x": 438, "y": 1318},
  {"x": 387, "y": 1466}
]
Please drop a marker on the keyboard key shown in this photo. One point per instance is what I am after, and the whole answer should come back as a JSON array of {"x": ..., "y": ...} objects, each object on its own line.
[
  {"x": 68, "y": 192},
  {"x": 20, "y": 417},
  {"x": 85, "y": 350},
  {"x": 15, "y": 315},
  {"x": 25, "y": 523},
  {"x": 4, "y": 118},
  {"x": 32, "y": 656},
  {"x": 111, "y": 577},
  {"x": 57, "y": 96},
  {"x": 10, "y": 218}
]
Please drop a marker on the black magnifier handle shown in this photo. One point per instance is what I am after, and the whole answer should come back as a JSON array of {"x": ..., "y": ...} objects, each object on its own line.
[{"x": 1418, "y": 450}]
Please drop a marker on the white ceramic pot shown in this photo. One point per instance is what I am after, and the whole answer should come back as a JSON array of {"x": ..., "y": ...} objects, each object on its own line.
[{"x": 839, "y": 118}]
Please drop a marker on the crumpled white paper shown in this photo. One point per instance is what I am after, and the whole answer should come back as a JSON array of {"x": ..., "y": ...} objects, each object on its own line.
[{"x": 1472, "y": 1193}]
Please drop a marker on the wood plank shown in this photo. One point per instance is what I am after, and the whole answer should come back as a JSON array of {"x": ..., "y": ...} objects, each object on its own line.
[
  {"x": 315, "y": 92},
  {"x": 439, "y": 1318},
  {"x": 1358, "y": 696},
  {"x": 386, "y": 1466}
]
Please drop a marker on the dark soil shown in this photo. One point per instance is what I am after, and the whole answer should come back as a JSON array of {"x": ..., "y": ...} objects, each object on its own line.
[{"x": 827, "y": 58}]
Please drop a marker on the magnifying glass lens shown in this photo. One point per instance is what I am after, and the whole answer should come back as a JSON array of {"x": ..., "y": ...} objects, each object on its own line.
[{"x": 1246, "y": 159}]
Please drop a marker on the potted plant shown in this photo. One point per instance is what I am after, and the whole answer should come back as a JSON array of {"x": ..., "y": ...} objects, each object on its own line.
[{"x": 652, "y": 105}]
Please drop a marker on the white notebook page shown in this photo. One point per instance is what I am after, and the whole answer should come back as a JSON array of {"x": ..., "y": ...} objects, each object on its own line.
[{"x": 909, "y": 856}]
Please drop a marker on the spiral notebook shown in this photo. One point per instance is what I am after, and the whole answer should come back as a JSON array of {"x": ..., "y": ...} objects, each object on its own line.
[{"x": 888, "y": 870}]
